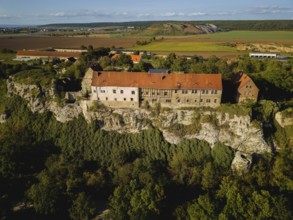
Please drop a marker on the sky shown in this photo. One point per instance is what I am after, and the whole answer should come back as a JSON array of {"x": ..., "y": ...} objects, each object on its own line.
[{"x": 34, "y": 12}]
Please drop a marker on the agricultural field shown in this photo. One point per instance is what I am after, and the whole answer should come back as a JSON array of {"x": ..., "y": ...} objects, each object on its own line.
[
  {"x": 223, "y": 44},
  {"x": 29, "y": 42}
]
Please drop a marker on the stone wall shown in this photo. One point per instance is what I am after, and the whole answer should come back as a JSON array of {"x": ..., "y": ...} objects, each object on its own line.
[
  {"x": 87, "y": 81},
  {"x": 248, "y": 92}
]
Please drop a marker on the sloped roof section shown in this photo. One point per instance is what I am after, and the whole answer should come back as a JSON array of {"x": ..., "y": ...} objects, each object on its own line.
[
  {"x": 158, "y": 81},
  {"x": 243, "y": 79}
]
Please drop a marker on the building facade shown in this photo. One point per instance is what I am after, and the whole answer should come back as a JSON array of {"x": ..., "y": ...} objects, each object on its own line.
[
  {"x": 246, "y": 88},
  {"x": 263, "y": 55},
  {"x": 133, "y": 89}
]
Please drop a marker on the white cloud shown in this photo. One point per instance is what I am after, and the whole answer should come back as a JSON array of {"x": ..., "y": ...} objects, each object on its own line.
[
  {"x": 181, "y": 14},
  {"x": 141, "y": 15},
  {"x": 270, "y": 9},
  {"x": 168, "y": 14},
  {"x": 4, "y": 16},
  {"x": 196, "y": 14},
  {"x": 82, "y": 13}
]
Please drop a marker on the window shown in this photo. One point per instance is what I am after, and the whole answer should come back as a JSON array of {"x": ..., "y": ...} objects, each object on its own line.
[
  {"x": 154, "y": 100},
  {"x": 115, "y": 99},
  {"x": 131, "y": 99},
  {"x": 146, "y": 93},
  {"x": 95, "y": 91},
  {"x": 178, "y": 100},
  {"x": 216, "y": 91},
  {"x": 194, "y": 91},
  {"x": 187, "y": 100},
  {"x": 133, "y": 92},
  {"x": 114, "y": 90},
  {"x": 195, "y": 100},
  {"x": 165, "y": 93},
  {"x": 201, "y": 100},
  {"x": 153, "y": 93},
  {"x": 106, "y": 98},
  {"x": 184, "y": 91},
  {"x": 121, "y": 91},
  {"x": 158, "y": 93},
  {"x": 175, "y": 91},
  {"x": 102, "y": 91},
  {"x": 215, "y": 100},
  {"x": 208, "y": 100},
  {"x": 168, "y": 100},
  {"x": 124, "y": 99}
]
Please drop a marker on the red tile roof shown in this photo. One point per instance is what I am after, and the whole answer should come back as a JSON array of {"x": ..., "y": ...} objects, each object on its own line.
[
  {"x": 160, "y": 81},
  {"x": 39, "y": 53},
  {"x": 244, "y": 78},
  {"x": 134, "y": 58}
]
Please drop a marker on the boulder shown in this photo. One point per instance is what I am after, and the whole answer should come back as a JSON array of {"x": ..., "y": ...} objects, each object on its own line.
[{"x": 241, "y": 162}]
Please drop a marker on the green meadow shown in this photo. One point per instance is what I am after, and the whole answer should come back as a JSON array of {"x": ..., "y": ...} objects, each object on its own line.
[
  {"x": 221, "y": 42},
  {"x": 249, "y": 35},
  {"x": 167, "y": 46}
]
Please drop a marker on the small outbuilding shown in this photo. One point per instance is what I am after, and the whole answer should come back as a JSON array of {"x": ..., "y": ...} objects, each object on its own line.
[{"x": 246, "y": 88}]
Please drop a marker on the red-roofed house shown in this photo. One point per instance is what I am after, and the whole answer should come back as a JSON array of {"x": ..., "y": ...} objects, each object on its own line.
[
  {"x": 246, "y": 89},
  {"x": 134, "y": 58},
  {"x": 131, "y": 89}
]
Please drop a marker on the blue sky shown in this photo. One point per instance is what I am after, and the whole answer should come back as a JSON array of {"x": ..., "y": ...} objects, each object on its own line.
[{"x": 71, "y": 11}]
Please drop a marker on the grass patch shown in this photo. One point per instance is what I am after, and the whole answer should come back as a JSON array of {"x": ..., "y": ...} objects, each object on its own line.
[
  {"x": 181, "y": 130},
  {"x": 288, "y": 35},
  {"x": 233, "y": 109},
  {"x": 35, "y": 77},
  {"x": 3, "y": 96},
  {"x": 7, "y": 56},
  {"x": 167, "y": 46}
]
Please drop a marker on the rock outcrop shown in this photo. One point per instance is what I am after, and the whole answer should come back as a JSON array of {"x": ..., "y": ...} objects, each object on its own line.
[
  {"x": 235, "y": 131},
  {"x": 285, "y": 121},
  {"x": 241, "y": 162},
  {"x": 3, "y": 118}
]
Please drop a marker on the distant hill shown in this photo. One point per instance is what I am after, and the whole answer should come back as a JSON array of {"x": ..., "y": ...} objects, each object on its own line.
[
  {"x": 179, "y": 29},
  {"x": 256, "y": 25}
]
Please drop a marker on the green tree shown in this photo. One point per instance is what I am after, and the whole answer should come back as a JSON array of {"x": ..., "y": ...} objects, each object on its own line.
[
  {"x": 203, "y": 208},
  {"x": 83, "y": 207},
  {"x": 46, "y": 196}
]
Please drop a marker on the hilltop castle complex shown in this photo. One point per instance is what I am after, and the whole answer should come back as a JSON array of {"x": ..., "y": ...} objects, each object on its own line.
[{"x": 133, "y": 89}]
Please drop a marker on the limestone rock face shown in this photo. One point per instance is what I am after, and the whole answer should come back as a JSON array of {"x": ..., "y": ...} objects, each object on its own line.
[
  {"x": 235, "y": 131},
  {"x": 31, "y": 93},
  {"x": 3, "y": 118},
  {"x": 285, "y": 120},
  {"x": 241, "y": 162}
]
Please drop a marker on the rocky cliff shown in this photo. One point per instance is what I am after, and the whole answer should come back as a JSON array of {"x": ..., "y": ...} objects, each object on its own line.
[{"x": 213, "y": 126}]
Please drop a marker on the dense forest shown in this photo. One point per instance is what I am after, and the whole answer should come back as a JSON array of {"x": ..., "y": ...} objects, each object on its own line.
[
  {"x": 76, "y": 170},
  {"x": 253, "y": 25}
]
